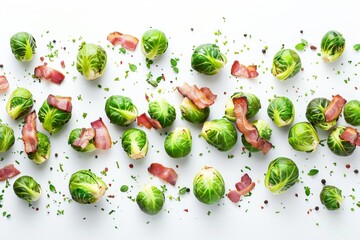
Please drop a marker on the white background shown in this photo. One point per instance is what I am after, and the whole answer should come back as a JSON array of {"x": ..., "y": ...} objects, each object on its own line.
[{"x": 270, "y": 23}]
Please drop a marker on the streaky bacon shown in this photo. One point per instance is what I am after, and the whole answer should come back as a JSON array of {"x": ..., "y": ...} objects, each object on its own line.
[
  {"x": 85, "y": 136},
  {"x": 208, "y": 93},
  {"x": 102, "y": 136},
  {"x": 240, "y": 70},
  {"x": 202, "y": 98},
  {"x": 127, "y": 41},
  {"x": 351, "y": 135},
  {"x": 8, "y": 171},
  {"x": 167, "y": 174},
  {"x": 29, "y": 135},
  {"x": 48, "y": 73},
  {"x": 144, "y": 120},
  {"x": 333, "y": 110},
  {"x": 62, "y": 103},
  {"x": 243, "y": 187},
  {"x": 4, "y": 84}
]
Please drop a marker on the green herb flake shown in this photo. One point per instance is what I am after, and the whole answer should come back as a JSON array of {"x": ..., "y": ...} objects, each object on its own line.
[
  {"x": 307, "y": 191},
  {"x": 52, "y": 188},
  {"x": 313, "y": 172},
  {"x": 356, "y": 47},
  {"x": 124, "y": 188},
  {"x": 84, "y": 115},
  {"x": 183, "y": 190},
  {"x": 300, "y": 47},
  {"x": 132, "y": 67},
  {"x": 122, "y": 50}
]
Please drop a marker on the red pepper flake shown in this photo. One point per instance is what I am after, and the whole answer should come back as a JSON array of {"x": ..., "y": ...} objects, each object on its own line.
[
  {"x": 106, "y": 169},
  {"x": 111, "y": 196},
  {"x": 42, "y": 59},
  {"x": 312, "y": 47},
  {"x": 163, "y": 76},
  {"x": 131, "y": 165},
  {"x": 121, "y": 62},
  {"x": 347, "y": 166},
  {"x": 262, "y": 207},
  {"x": 146, "y": 97},
  {"x": 186, "y": 210},
  {"x": 62, "y": 64},
  {"x": 110, "y": 184}
]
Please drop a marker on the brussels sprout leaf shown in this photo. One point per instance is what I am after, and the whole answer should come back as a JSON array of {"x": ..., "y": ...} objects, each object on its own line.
[
  {"x": 356, "y": 47},
  {"x": 313, "y": 172}
]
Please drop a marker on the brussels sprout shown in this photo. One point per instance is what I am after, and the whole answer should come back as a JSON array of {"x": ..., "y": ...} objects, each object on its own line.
[
  {"x": 91, "y": 61},
  {"x": 178, "y": 142},
  {"x": 209, "y": 185},
  {"x": 43, "y": 149},
  {"x": 52, "y": 118},
  {"x": 23, "y": 46},
  {"x": 337, "y": 145},
  {"x": 120, "y": 110},
  {"x": 150, "y": 200},
  {"x": 153, "y": 43},
  {"x": 315, "y": 113},
  {"x": 352, "y": 112},
  {"x": 331, "y": 197},
  {"x": 19, "y": 103},
  {"x": 27, "y": 188},
  {"x": 135, "y": 143},
  {"x": 303, "y": 137},
  {"x": 282, "y": 174},
  {"x": 220, "y": 133},
  {"x": 7, "y": 137},
  {"x": 286, "y": 64},
  {"x": 281, "y": 111},
  {"x": 264, "y": 131},
  {"x": 254, "y": 105},
  {"x": 191, "y": 113},
  {"x": 163, "y": 112},
  {"x": 85, "y": 187},
  {"x": 75, "y": 134},
  {"x": 207, "y": 59},
  {"x": 332, "y": 46}
]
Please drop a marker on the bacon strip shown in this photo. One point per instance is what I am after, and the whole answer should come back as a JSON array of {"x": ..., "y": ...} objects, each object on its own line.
[
  {"x": 333, "y": 110},
  {"x": 29, "y": 135},
  {"x": 8, "y": 171},
  {"x": 243, "y": 187},
  {"x": 62, "y": 103},
  {"x": 48, "y": 73},
  {"x": 240, "y": 70},
  {"x": 4, "y": 84},
  {"x": 144, "y": 120},
  {"x": 127, "y": 41},
  {"x": 351, "y": 135},
  {"x": 202, "y": 98},
  {"x": 167, "y": 174},
  {"x": 86, "y": 135},
  {"x": 102, "y": 136}
]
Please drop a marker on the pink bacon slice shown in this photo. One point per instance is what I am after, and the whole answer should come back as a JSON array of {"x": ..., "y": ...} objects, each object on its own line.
[
  {"x": 242, "y": 188},
  {"x": 240, "y": 70},
  {"x": 202, "y": 98},
  {"x": 167, "y": 174},
  {"x": 333, "y": 110},
  {"x": 4, "y": 84},
  {"x": 29, "y": 135},
  {"x": 48, "y": 73},
  {"x": 62, "y": 103},
  {"x": 8, "y": 171},
  {"x": 86, "y": 135},
  {"x": 127, "y": 41},
  {"x": 144, "y": 120},
  {"x": 102, "y": 136},
  {"x": 351, "y": 135}
]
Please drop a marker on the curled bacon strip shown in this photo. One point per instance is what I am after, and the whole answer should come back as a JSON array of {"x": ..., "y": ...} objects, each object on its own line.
[
  {"x": 29, "y": 135},
  {"x": 333, "y": 110},
  {"x": 4, "y": 84},
  {"x": 86, "y": 135},
  {"x": 125, "y": 40},
  {"x": 62, "y": 103},
  {"x": 351, "y": 135},
  {"x": 102, "y": 136},
  {"x": 8, "y": 171},
  {"x": 202, "y": 98},
  {"x": 243, "y": 187},
  {"x": 144, "y": 120},
  {"x": 240, "y": 70},
  {"x": 167, "y": 174},
  {"x": 48, "y": 73}
]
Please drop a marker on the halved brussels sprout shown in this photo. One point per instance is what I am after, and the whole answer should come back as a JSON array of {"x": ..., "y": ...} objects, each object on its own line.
[
  {"x": 303, "y": 137},
  {"x": 91, "y": 61},
  {"x": 23, "y": 46},
  {"x": 75, "y": 134},
  {"x": 52, "y": 118},
  {"x": 150, "y": 200},
  {"x": 207, "y": 59},
  {"x": 178, "y": 142},
  {"x": 264, "y": 131},
  {"x": 337, "y": 145},
  {"x": 209, "y": 185},
  {"x": 27, "y": 188},
  {"x": 282, "y": 174},
  {"x": 315, "y": 113},
  {"x": 153, "y": 43},
  {"x": 286, "y": 64},
  {"x": 19, "y": 103},
  {"x": 191, "y": 113},
  {"x": 352, "y": 112},
  {"x": 330, "y": 197},
  {"x": 120, "y": 110},
  {"x": 332, "y": 46},
  {"x": 7, "y": 137},
  {"x": 281, "y": 111},
  {"x": 163, "y": 112},
  {"x": 85, "y": 187},
  {"x": 135, "y": 143},
  {"x": 43, "y": 149},
  {"x": 220, "y": 133},
  {"x": 254, "y": 105}
]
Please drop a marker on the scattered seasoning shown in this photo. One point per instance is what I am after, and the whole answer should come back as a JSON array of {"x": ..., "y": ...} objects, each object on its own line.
[
  {"x": 131, "y": 165},
  {"x": 316, "y": 208},
  {"x": 301, "y": 31},
  {"x": 312, "y": 47},
  {"x": 356, "y": 171},
  {"x": 183, "y": 190},
  {"x": 56, "y": 155},
  {"x": 313, "y": 172},
  {"x": 263, "y": 51},
  {"x": 266, "y": 202},
  {"x": 323, "y": 181},
  {"x": 307, "y": 191},
  {"x": 347, "y": 166}
]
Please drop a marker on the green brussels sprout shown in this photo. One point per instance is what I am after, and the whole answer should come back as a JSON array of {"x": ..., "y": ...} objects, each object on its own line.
[
  {"x": 19, "y": 103},
  {"x": 264, "y": 131},
  {"x": 52, "y": 118},
  {"x": 331, "y": 197},
  {"x": 135, "y": 143},
  {"x": 282, "y": 174},
  {"x": 163, "y": 112},
  {"x": 91, "y": 61},
  {"x": 332, "y": 46},
  {"x": 120, "y": 110},
  {"x": 43, "y": 149},
  {"x": 207, "y": 59},
  {"x": 220, "y": 133},
  {"x": 281, "y": 111},
  {"x": 286, "y": 64},
  {"x": 254, "y": 105},
  {"x": 150, "y": 200},
  {"x": 315, "y": 113},
  {"x": 153, "y": 43},
  {"x": 27, "y": 188},
  {"x": 178, "y": 142},
  {"x": 23, "y": 46},
  {"x": 7, "y": 137},
  {"x": 85, "y": 187},
  {"x": 209, "y": 185},
  {"x": 191, "y": 113},
  {"x": 352, "y": 112},
  {"x": 75, "y": 134},
  {"x": 337, "y": 145},
  {"x": 303, "y": 137}
]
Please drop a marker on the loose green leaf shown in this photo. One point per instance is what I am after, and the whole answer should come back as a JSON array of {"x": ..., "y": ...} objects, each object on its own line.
[
  {"x": 307, "y": 191},
  {"x": 300, "y": 46},
  {"x": 356, "y": 47},
  {"x": 173, "y": 62},
  {"x": 124, "y": 188},
  {"x": 313, "y": 172},
  {"x": 52, "y": 188},
  {"x": 304, "y": 42},
  {"x": 132, "y": 67}
]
